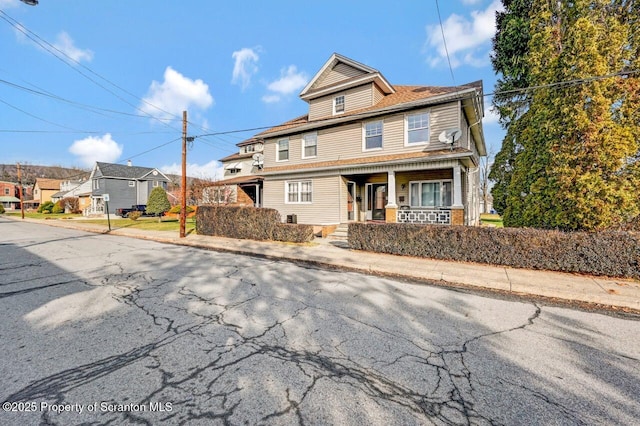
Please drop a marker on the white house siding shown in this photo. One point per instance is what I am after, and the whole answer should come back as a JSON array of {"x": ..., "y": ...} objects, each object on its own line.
[
  {"x": 354, "y": 99},
  {"x": 247, "y": 168},
  {"x": 323, "y": 210},
  {"x": 345, "y": 142}
]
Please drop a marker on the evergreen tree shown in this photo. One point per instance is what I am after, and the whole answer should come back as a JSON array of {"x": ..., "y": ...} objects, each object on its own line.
[
  {"x": 574, "y": 162},
  {"x": 510, "y": 46},
  {"x": 158, "y": 203}
]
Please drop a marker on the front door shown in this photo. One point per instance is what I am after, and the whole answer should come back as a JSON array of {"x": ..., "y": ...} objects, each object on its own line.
[
  {"x": 376, "y": 201},
  {"x": 351, "y": 197}
]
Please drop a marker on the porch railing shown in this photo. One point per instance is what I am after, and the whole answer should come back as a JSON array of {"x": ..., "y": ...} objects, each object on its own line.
[{"x": 425, "y": 216}]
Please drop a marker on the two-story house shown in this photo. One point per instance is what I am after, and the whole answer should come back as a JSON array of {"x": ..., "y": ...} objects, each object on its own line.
[
  {"x": 371, "y": 151},
  {"x": 126, "y": 185},
  {"x": 9, "y": 195},
  {"x": 43, "y": 190},
  {"x": 242, "y": 181}
]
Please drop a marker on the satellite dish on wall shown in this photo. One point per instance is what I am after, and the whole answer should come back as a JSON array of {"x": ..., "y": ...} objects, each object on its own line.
[
  {"x": 450, "y": 136},
  {"x": 258, "y": 159}
]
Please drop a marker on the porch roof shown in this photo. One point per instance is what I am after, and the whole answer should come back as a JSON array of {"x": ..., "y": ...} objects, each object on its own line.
[{"x": 380, "y": 159}]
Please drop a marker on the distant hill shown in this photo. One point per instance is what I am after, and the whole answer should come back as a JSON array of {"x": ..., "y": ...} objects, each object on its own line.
[{"x": 29, "y": 172}]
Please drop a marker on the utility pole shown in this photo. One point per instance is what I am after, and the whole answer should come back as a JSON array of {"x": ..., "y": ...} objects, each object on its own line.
[
  {"x": 20, "y": 191},
  {"x": 183, "y": 190}
]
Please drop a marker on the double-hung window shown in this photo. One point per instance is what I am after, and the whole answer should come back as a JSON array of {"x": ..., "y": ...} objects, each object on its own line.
[
  {"x": 417, "y": 128},
  {"x": 338, "y": 105},
  {"x": 310, "y": 145},
  {"x": 299, "y": 192},
  {"x": 372, "y": 135},
  {"x": 283, "y": 150},
  {"x": 430, "y": 194}
]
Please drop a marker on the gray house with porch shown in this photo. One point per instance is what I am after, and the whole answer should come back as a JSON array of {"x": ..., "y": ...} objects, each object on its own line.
[{"x": 126, "y": 185}]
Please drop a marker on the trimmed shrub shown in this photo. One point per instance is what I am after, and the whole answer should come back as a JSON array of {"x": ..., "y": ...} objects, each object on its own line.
[
  {"x": 249, "y": 223},
  {"x": 57, "y": 208},
  {"x": 609, "y": 253},
  {"x": 1, "y": 209},
  {"x": 177, "y": 209},
  {"x": 46, "y": 207},
  {"x": 135, "y": 215}
]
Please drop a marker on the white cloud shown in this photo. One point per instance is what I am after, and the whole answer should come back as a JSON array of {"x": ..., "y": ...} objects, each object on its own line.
[
  {"x": 8, "y": 4},
  {"x": 270, "y": 99},
  {"x": 490, "y": 114},
  {"x": 245, "y": 66},
  {"x": 65, "y": 44},
  {"x": 289, "y": 82},
  {"x": 212, "y": 170},
  {"x": 175, "y": 94},
  {"x": 467, "y": 39},
  {"x": 96, "y": 148}
]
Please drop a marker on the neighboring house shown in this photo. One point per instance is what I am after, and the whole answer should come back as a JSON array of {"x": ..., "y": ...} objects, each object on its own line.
[
  {"x": 242, "y": 182},
  {"x": 9, "y": 195},
  {"x": 80, "y": 190},
  {"x": 65, "y": 187},
  {"x": 43, "y": 190},
  {"x": 371, "y": 151},
  {"x": 126, "y": 185}
]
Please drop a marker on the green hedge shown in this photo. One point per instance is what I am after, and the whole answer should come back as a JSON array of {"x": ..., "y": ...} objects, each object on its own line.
[
  {"x": 609, "y": 253},
  {"x": 249, "y": 223}
]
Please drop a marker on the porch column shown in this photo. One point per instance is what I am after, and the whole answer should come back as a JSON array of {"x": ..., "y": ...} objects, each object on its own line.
[
  {"x": 457, "y": 209},
  {"x": 391, "y": 209},
  {"x": 457, "y": 187}
]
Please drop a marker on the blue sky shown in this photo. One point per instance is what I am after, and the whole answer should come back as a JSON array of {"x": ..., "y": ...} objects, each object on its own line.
[{"x": 108, "y": 80}]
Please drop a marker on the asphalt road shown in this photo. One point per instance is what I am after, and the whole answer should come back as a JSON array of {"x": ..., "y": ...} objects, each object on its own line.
[{"x": 103, "y": 329}]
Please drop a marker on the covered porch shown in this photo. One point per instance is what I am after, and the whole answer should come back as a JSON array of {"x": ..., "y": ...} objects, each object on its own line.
[{"x": 438, "y": 196}]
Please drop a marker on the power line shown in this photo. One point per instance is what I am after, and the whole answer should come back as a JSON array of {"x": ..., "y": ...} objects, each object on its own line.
[
  {"x": 48, "y": 46},
  {"x": 444, "y": 42}
]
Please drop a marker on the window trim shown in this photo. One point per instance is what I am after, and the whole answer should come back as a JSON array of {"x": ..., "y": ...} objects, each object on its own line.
[
  {"x": 132, "y": 184},
  {"x": 304, "y": 140},
  {"x": 419, "y": 204},
  {"x": 335, "y": 104},
  {"x": 364, "y": 136},
  {"x": 278, "y": 160},
  {"x": 156, "y": 183},
  {"x": 406, "y": 128},
  {"x": 298, "y": 192}
]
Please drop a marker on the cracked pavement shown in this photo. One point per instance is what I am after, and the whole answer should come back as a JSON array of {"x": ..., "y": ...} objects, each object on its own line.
[{"x": 177, "y": 335}]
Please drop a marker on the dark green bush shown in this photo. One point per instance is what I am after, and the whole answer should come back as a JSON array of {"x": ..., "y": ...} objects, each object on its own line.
[
  {"x": 248, "y": 223},
  {"x": 1, "y": 209},
  {"x": 46, "y": 207},
  {"x": 609, "y": 253}
]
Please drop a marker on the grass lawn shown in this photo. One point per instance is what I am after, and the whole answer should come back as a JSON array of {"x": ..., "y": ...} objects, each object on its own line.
[
  {"x": 34, "y": 215},
  {"x": 147, "y": 223},
  {"x": 488, "y": 219}
]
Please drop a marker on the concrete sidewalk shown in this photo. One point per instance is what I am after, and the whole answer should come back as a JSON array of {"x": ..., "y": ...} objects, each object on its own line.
[{"x": 598, "y": 292}]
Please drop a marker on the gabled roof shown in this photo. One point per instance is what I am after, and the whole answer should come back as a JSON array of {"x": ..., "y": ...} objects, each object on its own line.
[
  {"x": 126, "y": 172},
  {"x": 48, "y": 184},
  {"x": 364, "y": 74}
]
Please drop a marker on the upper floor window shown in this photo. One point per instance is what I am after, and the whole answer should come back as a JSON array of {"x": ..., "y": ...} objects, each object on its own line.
[
  {"x": 372, "y": 135},
  {"x": 250, "y": 148},
  {"x": 430, "y": 194},
  {"x": 338, "y": 104},
  {"x": 283, "y": 150},
  {"x": 310, "y": 145},
  {"x": 417, "y": 128},
  {"x": 96, "y": 184},
  {"x": 299, "y": 192},
  {"x": 6, "y": 191},
  {"x": 132, "y": 183}
]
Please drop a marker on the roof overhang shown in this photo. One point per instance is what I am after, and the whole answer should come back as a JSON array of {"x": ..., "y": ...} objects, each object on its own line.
[
  {"x": 376, "y": 78},
  {"x": 343, "y": 119}
]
